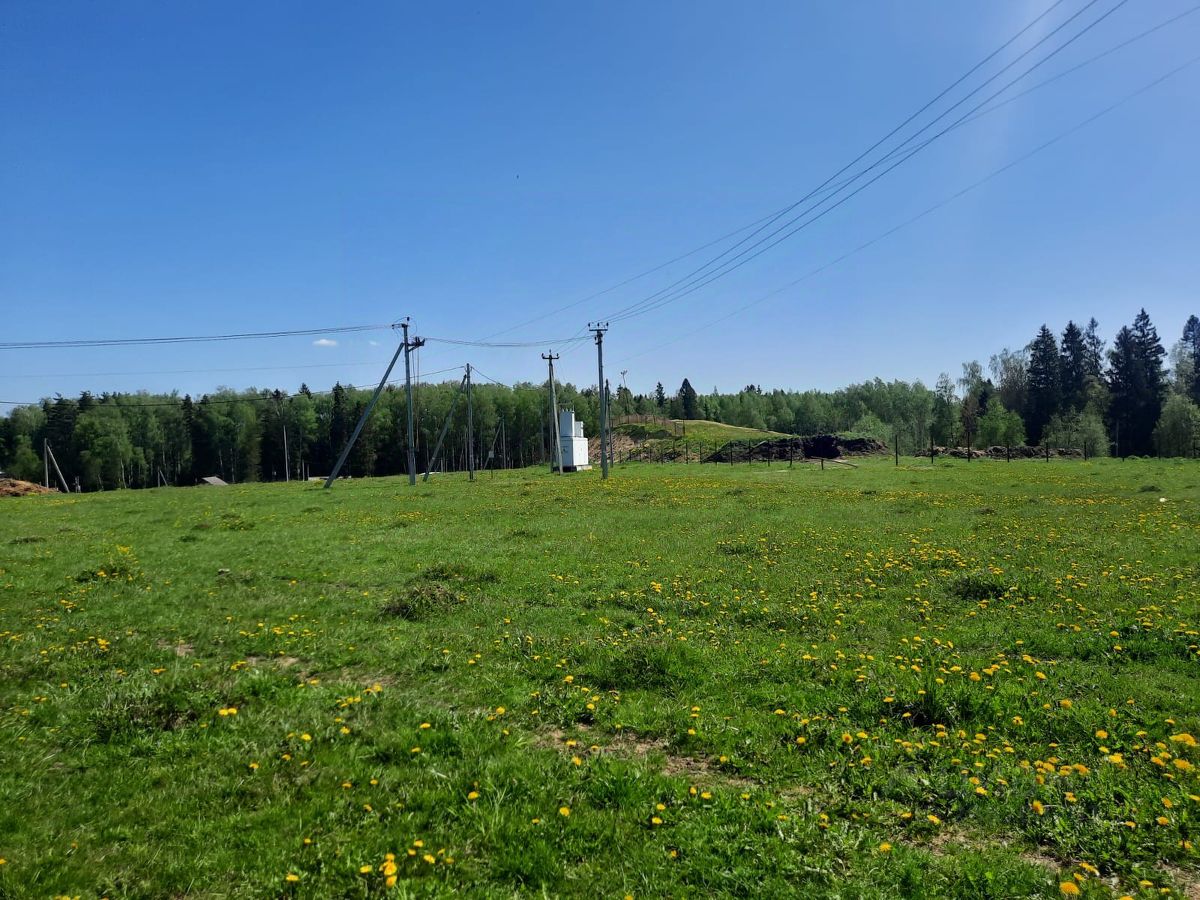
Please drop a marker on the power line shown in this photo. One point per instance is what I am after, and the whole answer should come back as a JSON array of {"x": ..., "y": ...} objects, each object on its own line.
[
  {"x": 769, "y": 219},
  {"x": 486, "y": 377},
  {"x": 191, "y": 339},
  {"x": 111, "y": 398},
  {"x": 631, "y": 279},
  {"x": 929, "y": 210},
  {"x": 699, "y": 278},
  {"x": 1039, "y": 85},
  {"x": 188, "y": 371},
  {"x": 502, "y": 344}
]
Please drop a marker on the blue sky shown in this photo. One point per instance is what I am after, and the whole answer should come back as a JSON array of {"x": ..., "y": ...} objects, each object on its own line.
[{"x": 198, "y": 168}]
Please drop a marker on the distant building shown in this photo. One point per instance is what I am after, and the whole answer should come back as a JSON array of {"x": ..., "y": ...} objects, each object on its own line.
[
  {"x": 574, "y": 444},
  {"x": 214, "y": 481}
]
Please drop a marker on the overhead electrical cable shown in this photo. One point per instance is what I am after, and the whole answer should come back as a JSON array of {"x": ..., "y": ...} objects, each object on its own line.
[
  {"x": 927, "y": 211},
  {"x": 1044, "y": 83},
  {"x": 190, "y": 339},
  {"x": 766, "y": 221},
  {"x": 101, "y": 401},
  {"x": 505, "y": 344},
  {"x": 790, "y": 228},
  {"x": 190, "y": 371}
]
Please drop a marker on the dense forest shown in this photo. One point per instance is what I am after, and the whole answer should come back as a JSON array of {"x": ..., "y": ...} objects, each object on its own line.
[{"x": 1065, "y": 390}]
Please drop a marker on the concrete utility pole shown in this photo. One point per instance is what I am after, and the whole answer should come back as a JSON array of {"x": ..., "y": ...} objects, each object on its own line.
[
  {"x": 598, "y": 329},
  {"x": 556, "y": 444},
  {"x": 408, "y": 348},
  {"x": 470, "y": 430},
  {"x": 287, "y": 464},
  {"x": 46, "y": 463},
  {"x": 405, "y": 347},
  {"x": 437, "y": 448},
  {"x": 608, "y": 433},
  {"x": 52, "y": 459}
]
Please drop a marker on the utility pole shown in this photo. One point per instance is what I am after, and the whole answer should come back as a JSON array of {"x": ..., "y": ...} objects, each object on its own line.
[
  {"x": 50, "y": 458},
  {"x": 470, "y": 430},
  {"x": 46, "y": 463},
  {"x": 556, "y": 444},
  {"x": 409, "y": 346},
  {"x": 405, "y": 347},
  {"x": 287, "y": 464},
  {"x": 598, "y": 329},
  {"x": 437, "y": 448},
  {"x": 608, "y": 431}
]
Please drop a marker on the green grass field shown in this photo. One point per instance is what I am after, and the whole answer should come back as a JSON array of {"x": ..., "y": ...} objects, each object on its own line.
[
  {"x": 966, "y": 680},
  {"x": 696, "y": 430}
]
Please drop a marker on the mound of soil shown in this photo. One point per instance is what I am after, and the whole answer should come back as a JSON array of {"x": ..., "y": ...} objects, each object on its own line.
[
  {"x": 12, "y": 487},
  {"x": 1006, "y": 453},
  {"x": 816, "y": 446}
]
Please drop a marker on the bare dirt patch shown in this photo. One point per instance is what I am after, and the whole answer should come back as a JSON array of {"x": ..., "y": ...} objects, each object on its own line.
[
  {"x": 281, "y": 662},
  {"x": 641, "y": 747},
  {"x": 181, "y": 649},
  {"x": 14, "y": 487},
  {"x": 1187, "y": 882}
]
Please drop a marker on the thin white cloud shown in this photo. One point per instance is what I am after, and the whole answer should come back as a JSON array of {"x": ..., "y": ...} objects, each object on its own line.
[
  {"x": 373, "y": 343},
  {"x": 324, "y": 342}
]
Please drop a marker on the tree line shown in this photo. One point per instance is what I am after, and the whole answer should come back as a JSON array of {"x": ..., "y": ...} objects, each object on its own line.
[{"x": 1066, "y": 390}]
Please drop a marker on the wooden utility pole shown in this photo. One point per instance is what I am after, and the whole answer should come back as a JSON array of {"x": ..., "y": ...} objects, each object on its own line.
[{"x": 555, "y": 443}]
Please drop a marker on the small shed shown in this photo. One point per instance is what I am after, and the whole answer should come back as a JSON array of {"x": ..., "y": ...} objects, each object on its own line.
[
  {"x": 214, "y": 481},
  {"x": 574, "y": 444}
]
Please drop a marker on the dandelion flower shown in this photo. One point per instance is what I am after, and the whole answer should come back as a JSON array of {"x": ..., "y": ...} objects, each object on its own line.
[{"x": 564, "y": 811}]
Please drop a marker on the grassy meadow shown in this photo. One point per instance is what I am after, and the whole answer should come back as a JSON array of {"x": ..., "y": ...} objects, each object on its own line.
[{"x": 958, "y": 680}]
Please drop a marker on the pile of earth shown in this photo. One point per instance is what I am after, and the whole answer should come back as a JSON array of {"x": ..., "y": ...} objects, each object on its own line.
[
  {"x": 1021, "y": 452},
  {"x": 815, "y": 446},
  {"x": 13, "y": 487}
]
